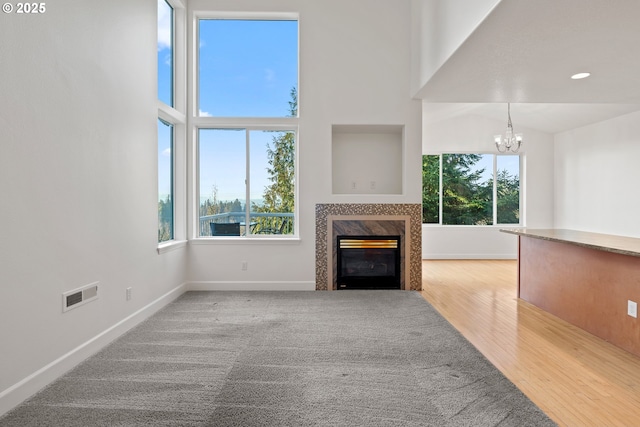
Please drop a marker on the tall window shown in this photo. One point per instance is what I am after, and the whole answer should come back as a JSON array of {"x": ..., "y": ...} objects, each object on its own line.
[
  {"x": 171, "y": 118},
  {"x": 165, "y": 129},
  {"x": 471, "y": 189},
  {"x": 247, "y": 127}
]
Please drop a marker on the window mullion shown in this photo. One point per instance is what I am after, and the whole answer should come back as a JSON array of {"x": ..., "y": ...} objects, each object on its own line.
[
  {"x": 173, "y": 181},
  {"x": 247, "y": 181},
  {"x": 441, "y": 198},
  {"x": 521, "y": 202},
  {"x": 494, "y": 202}
]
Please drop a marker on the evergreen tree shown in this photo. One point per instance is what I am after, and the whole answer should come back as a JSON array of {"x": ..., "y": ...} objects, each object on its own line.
[
  {"x": 465, "y": 201},
  {"x": 430, "y": 189},
  {"x": 508, "y": 189},
  {"x": 278, "y": 196}
]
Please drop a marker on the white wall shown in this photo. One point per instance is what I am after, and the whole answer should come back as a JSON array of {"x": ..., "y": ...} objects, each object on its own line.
[
  {"x": 367, "y": 163},
  {"x": 597, "y": 176},
  {"x": 78, "y": 181},
  {"x": 439, "y": 28},
  {"x": 354, "y": 69},
  {"x": 474, "y": 134}
]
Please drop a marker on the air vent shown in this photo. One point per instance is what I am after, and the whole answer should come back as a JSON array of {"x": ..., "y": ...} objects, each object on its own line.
[
  {"x": 74, "y": 299},
  {"x": 80, "y": 296}
]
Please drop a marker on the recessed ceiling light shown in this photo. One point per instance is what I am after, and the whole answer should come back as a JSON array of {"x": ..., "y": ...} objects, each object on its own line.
[{"x": 580, "y": 76}]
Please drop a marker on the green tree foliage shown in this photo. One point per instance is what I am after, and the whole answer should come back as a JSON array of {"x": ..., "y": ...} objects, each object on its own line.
[
  {"x": 465, "y": 199},
  {"x": 508, "y": 188},
  {"x": 165, "y": 219},
  {"x": 430, "y": 189},
  {"x": 278, "y": 196}
]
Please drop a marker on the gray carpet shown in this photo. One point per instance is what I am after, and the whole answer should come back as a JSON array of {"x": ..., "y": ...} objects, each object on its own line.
[{"x": 344, "y": 358}]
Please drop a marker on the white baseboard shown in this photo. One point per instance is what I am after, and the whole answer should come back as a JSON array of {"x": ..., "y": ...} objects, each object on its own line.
[
  {"x": 30, "y": 385},
  {"x": 251, "y": 286},
  {"x": 468, "y": 256},
  {"x": 19, "y": 392}
]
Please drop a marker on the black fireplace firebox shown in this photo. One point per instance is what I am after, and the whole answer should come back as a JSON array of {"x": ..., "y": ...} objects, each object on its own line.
[{"x": 368, "y": 262}]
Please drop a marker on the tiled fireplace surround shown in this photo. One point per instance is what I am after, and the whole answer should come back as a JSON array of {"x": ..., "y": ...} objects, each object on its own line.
[{"x": 333, "y": 219}]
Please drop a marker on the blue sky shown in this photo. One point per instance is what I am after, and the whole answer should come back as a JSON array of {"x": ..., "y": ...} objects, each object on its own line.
[
  {"x": 165, "y": 52},
  {"x": 222, "y": 154},
  {"x": 509, "y": 162},
  {"x": 247, "y": 68}
]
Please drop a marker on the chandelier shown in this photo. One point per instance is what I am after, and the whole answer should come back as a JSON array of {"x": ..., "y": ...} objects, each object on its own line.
[{"x": 510, "y": 141}]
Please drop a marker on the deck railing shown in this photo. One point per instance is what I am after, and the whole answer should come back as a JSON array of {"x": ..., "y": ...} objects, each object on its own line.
[{"x": 263, "y": 223}]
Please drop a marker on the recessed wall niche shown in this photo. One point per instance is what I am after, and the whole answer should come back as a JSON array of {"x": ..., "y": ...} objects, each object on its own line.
[{"x": 367, "y": 159}]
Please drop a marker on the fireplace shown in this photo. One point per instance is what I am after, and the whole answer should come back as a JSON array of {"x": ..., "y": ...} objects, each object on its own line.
[
  {"x": 368, "y": 219},
  {"x": 368, "y": 262}
]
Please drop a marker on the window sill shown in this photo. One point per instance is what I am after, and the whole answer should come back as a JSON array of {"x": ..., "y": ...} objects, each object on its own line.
[
  {"x": 245, "y": 241},
  {"x": 471, "y": 226},
  {"x": 171, "y": 245}
]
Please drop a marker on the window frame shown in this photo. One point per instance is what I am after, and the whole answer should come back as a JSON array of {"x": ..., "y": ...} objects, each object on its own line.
[
  {"x": 247, "y": 175},
  {"x": 176, "y": 117},
  {"x": 198, "y": 122},
  {"x": 521, "y": 199}
]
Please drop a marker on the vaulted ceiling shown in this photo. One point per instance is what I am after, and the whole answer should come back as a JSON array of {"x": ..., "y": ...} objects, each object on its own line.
[{"x": 525, "y": 52}]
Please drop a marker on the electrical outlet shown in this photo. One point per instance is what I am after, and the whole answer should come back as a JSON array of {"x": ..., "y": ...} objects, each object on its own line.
[
  {"x": 353, "y": 185},
  {"x": 372, "y": 185},
  {"x": 632, "y": 308},
  {"x": 128, "y": 294},
  {"x": 245, "y": 265}
]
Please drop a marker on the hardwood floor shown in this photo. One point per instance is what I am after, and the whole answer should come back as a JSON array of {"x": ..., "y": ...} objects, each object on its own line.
[{"x": 576, "y": 378}]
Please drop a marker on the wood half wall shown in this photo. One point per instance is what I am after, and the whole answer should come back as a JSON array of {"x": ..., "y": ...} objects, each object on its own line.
[{"x": 586, "y": 287}]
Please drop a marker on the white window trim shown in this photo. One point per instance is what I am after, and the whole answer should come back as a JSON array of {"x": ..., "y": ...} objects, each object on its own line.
[{"x": 194, "y": 59}]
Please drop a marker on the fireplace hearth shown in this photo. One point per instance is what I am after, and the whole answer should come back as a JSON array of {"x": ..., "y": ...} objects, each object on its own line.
[{"x": 368, "y": 262}]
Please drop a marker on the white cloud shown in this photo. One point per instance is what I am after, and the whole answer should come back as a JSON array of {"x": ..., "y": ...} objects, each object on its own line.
[
  {"x": 203, "y": 114},
  {"x": 164, "y": 26},
  {"x": 269, "y": 75},
  {"x": 166, "y": 152}
]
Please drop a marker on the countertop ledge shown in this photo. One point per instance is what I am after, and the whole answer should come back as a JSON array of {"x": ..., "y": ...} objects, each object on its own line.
[{"x": 603, "y": 242}]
